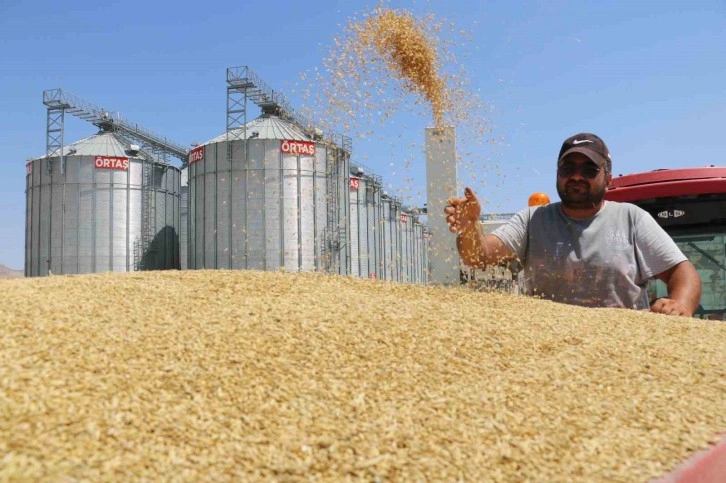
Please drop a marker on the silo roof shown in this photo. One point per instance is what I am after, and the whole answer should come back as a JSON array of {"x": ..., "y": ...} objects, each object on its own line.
[
  {"x": 267, "y": 126},
  {"x": 101, "y": 144}
]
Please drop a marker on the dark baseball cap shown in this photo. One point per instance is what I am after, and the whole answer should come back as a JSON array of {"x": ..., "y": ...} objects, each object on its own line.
[{"x": 588, "y": 144}]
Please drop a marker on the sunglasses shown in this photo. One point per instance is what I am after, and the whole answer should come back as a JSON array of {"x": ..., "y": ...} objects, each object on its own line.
[{"x": 588, "y": 170}]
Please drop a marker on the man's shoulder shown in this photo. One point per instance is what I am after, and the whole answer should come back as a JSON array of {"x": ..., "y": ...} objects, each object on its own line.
[
  {"x": 620, "y": 207},
  {"x": 550, "y": 210}
]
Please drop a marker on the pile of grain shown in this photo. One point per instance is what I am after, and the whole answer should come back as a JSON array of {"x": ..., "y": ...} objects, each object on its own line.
[{"x": 211, "y": 375}]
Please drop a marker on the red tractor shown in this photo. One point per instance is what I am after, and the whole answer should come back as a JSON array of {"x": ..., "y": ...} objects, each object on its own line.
[{"x": 690, "y": 204}]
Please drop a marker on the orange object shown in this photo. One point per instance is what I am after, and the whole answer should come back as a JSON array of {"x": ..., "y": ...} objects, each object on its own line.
[{"x": 538, "y": 199}]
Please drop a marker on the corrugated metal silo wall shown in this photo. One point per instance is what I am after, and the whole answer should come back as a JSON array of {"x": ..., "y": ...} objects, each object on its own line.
[
  {"x": 386, "y": 243},
  {"x": 418, "y": 242},
  {"x": 337, "y": 247},
  {"x": 407, "y": 259},
  {"x": 373, "y": 206},
  {"x": 184, "y": 220},
  {"x": 354, "y": 224},
  {"x": 85, "y": 219},
  {"x": 266, "y": 210},
  {"x": 359, "y": 222},
  {"x": 368, "y": 237}
]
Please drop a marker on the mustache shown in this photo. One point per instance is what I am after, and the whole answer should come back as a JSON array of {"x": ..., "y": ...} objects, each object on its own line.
[{"x": 581, "y": 184}]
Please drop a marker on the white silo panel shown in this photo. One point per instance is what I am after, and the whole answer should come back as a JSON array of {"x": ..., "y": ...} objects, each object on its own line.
[
  {"x": 184, "y": 220},
  {"x": 423, "y": 250},
  {"x": 308, "y": 208},
  {"x": 85, "y": 228},
  {"x": 389, "y": 239},
  {"x": 43, "y": 203},
  {"x": 385, "y": 239},
  {"x": 272, "y": 207},
  {"x": 71, "y": 220},
  {"x": 196, "y": 192},
  {"x": 354, "y": 231},
  {"x": 239, "y": 208},
  {"x": 322, "y": 194},
  {"x": 339, "y": 203},
  {"x": 158, "y": 253},
  {"x": 28, "y": 218},
  {"x": 121, "y": 260},
  {"x": 173, "y": 218},
  {"x": 418, "y": 252},
  {"x": 223, "y": 220},
  {"x": 372, "y": 209},
  {"x": 406, "y": 248},
  {"x": 363, "y": 219},
  {"x": 210, "y": 216},
  {"x": 396, "y": 241},
  {"x": 415, "y": 255},
  {"x": 134, "y": 210},
  {"x": 256, "y": 206},
  {"x": 403, "y": 250},
  {"x": 56, "y": 224},
  {"x": 35, "y": 219},
  {"x": 71, "y": 216},
  {"x": 103, "y": 220},
  {"x": 290, "y": 214}
]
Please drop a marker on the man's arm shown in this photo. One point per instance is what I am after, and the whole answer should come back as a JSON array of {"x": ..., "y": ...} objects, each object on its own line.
[
  {"x": 684, "y": 291},
  {"x": 476, "y": 249},
  {"x": 480, "y": 250}
]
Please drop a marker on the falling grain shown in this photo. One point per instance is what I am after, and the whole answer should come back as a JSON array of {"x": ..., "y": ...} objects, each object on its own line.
[
  {"x": 409, "y": 54},
  {"x": 392, "y": 67}
]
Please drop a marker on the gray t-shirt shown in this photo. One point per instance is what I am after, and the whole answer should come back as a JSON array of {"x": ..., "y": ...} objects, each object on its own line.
[{"x": 602, "y": 261}]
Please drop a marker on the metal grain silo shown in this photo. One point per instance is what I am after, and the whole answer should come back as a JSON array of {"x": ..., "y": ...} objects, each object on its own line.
[
  {"x": 268, "y": 197},
  {"x": 365, "y": 216},
  {"x": 101, "y": 206}
]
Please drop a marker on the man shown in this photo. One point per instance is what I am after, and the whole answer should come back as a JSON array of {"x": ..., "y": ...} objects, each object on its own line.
[{"x": 583, "y": 250}]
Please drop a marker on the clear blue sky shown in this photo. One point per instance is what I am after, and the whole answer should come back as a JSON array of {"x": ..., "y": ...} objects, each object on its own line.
[{"x": 647, "y": 76}]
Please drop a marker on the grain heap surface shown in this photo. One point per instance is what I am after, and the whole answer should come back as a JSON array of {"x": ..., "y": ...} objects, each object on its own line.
[{"x": 218, "y": 375}]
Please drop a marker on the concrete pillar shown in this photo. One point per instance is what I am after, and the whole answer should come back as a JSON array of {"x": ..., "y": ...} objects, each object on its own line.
[{"x": 441, "y": 185}]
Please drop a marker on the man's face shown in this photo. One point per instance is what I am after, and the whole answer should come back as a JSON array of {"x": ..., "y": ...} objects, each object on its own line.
[{"x": 581, "y": 182}]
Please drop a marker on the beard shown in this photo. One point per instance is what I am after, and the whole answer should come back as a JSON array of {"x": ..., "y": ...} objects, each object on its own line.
[{"x": 578, "y": 195}]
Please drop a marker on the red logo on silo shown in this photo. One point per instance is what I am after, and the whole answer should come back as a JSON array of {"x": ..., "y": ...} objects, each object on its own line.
[
  {"x": 404, "y": 217},
  {"x": 28, "y": 169},
  {"x": 196, "y": 154},
  {"x": 354, "y": 183},
  {"x": 111, "y": 162},
  {"x": 297, "y": 147}
]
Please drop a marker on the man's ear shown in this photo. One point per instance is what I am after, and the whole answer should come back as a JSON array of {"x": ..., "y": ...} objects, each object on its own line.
[{"x": 608, "y": 180}]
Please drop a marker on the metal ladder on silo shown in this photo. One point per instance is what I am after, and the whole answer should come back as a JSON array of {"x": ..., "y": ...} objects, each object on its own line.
[{"x": 144, "y": 247}]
